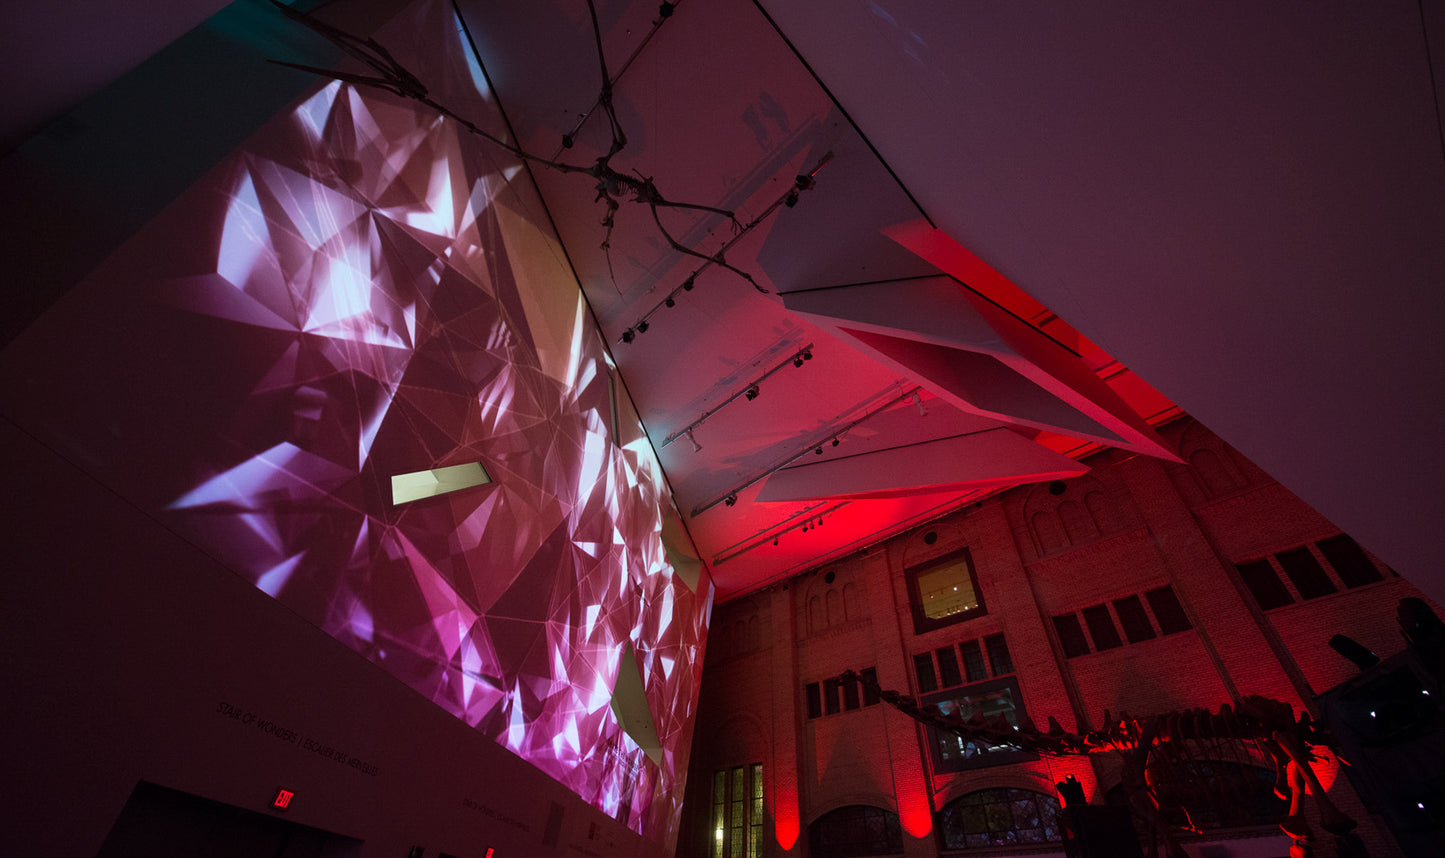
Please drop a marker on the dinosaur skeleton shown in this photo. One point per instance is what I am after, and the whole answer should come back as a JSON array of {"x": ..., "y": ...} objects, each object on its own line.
[{"x": 1254, "y": 729}]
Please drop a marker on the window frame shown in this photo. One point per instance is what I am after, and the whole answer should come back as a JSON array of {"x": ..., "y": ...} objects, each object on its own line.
[
  {"x": 1070, "y": 633},
  {"x": 1001, "y": 795},
  {"x": 923, "y": 623},
  {"x": 887, "y": 824},
  {"x": 1103, "y": 631},
  {"x": 986, "y": 759},
  {"x": 754, "y": 812}
]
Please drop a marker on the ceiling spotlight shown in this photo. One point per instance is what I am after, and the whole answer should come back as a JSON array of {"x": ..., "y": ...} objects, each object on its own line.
[
  {"x": 808, "y": 355},
  {"x": 696, "y": 447},
  {"x": 798, "y": 361},
  {"x": 792, "y": 198},
  {"x": 730, "y": 500},
  {"x": 805, "y": 528},
  {"x": 628, "y": 335},
  {"x": 669, "y": 302},
  {"x": 835, "y": 442},
  {"x": 687, "y": 285},
  {"x": 820, "y": 523},
  {"x": 818, "y": 451},
  {"x": 752, "y": 393},
  {"x": 642, "y": 326},
  {"x": 665, "y": 10},
  {"x": 775, "y": 540},
  {"x": 567, "y": 141}
]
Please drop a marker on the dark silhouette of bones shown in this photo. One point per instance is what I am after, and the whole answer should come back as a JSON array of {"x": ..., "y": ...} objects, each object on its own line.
[{"x": 1269, "y": 724}]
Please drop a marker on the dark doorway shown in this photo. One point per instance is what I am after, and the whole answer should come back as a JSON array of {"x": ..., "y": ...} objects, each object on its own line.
[{"x": 157, "y": 822}]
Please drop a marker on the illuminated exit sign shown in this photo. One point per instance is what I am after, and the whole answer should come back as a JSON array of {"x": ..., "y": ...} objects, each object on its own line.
[{"x": 282, "y": 799}]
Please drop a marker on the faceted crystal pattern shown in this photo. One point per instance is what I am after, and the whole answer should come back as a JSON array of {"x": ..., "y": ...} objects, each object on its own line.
[{"x": 381, "y": 296}]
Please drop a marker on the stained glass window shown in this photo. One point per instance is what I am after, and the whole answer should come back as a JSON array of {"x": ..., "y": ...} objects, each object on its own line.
[
  {"x": 855, "y": 830},
  {"x": 999, "y": 817}
]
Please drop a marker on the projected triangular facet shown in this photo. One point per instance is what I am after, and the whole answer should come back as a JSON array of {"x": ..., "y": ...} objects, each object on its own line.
[{"x": 629, "y": 704}]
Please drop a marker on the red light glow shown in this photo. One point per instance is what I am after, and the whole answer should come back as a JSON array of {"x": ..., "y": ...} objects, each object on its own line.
[
  {"x": 785, "y": 815},
  {"x": 1327, "y": 768},
  {"x": 283, "y": 798},
  {"x": 913, "y": 810}
]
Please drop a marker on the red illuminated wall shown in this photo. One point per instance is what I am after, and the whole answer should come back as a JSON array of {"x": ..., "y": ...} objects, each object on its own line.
[
  {"x": 363, "y": 290},
  {"x": 1130, "y": 525}
]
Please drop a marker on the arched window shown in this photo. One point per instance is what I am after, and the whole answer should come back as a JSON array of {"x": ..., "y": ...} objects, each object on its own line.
[
  {"x": 1212, "y": 474},
  {"x": 851, "y": 609},
  {"x": 1048, "y": 531},
  {"x": 999, "y": 817},
  {"x": 817, "y": 620},
  {"x": 857, "y": 829},
  {"x": 835, "y": 608},
  {"x": 1106, "y": 513},
  {"x": 1078, "y": 524}
]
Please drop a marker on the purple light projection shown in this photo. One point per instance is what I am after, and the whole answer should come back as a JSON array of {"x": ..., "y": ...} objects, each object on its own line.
[{"x": 362, "y": 291}]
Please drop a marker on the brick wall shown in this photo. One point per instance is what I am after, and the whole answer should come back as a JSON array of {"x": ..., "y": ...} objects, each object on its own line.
[{"x": 1131, "y": 527}]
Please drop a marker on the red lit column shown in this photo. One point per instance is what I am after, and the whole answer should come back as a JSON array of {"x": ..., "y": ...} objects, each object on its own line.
[{"x": 781, "y": 785}]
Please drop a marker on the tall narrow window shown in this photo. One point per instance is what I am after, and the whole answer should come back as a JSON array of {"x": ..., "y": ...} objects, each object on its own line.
[
  {"x": 1305, "y": 571},
  {"x": 973, "y": 664},
  {"x": 923, "y": 666},
  {"x": 850, "y": 694},
  {"x": 948, "y": 673},
  {"x": 1101, "y": 628},
  {"x": 1263, "y": 584},
  {"x": 719, "y": 813},
  {"x": 1168, "y": 611},
  {"x": 755, "y": 813},
  {"x": 815, "y": 700},
  {"x": 737, "y": 812},
  {"x": 998, "y": 654},
  {"x": 870, "y": 697},
  {"x": 831, "y": 687},
  {"x": 1071, "y": 635},
  {"x": 1133, "y": 619},
  {"x": 1349, "y": 560}
]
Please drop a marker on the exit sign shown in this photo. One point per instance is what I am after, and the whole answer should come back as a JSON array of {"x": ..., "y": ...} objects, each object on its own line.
[{"x": 282, "y": 799}]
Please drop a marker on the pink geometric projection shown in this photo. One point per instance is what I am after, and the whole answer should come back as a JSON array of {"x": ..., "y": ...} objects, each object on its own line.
[{"x": 365, "y": 291}]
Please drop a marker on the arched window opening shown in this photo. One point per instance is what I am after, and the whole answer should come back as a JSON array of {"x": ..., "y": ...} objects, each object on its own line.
[
  {"x": 835, "y": 608},
  {"x": 1077, "y": 522},
  {"x": 855, "y": 830},
  {"x": 1212, "y": 474},
  {"x": 1105, "y": 512},
  {"x": 1048, "y": 531},
  {"x": 999, "y": 817}
]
